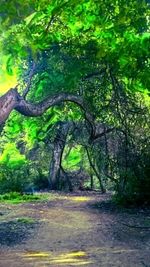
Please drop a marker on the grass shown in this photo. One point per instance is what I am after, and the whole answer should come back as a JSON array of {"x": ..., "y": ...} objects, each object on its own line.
[
  {"x": 16, "y": 198},
  {"x": 27, "y": 220}
]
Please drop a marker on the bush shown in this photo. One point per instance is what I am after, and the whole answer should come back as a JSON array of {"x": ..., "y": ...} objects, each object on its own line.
[
  {"x": 13, "y": 179},
  {"x": 137, "y": 187}
]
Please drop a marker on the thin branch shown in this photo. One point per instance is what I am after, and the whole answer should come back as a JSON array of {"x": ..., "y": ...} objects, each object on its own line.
[
  {"x": 58, "y": 10},
  {"x": 95, "y": 170},
  {"x": 103, "y": 133},
  {"x": 94, "y": 74},
  {"x": 49, "y": 24}
]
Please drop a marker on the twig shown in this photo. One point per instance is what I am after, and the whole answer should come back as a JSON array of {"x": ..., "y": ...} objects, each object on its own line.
[
  {"x": 103, "y": 133},
  {"x": 49, "y": 24}
]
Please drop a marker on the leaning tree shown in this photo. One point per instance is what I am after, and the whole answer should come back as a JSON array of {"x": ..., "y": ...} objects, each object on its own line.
[{"x": 93, "y": 54}]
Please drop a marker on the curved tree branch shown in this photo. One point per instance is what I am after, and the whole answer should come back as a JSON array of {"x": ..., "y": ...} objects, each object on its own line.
[
  {"x": 7, "y": 103},
  {"x": 13, "y": 100},
  {"x": 33, "y": 110}
]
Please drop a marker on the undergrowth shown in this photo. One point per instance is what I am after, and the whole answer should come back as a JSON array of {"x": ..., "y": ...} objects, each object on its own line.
[{"x": 16, "y": 198}]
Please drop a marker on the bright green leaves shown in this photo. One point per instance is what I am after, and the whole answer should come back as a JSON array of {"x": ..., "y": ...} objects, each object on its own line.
[
  {"x": 14, "y": 11},
  {"x": 61, "y": 21},
  {"x": 72, "y": 157},
  {"x": 11, "y": 156},
  {"x": 145, "y": 42},
  {"x": 14, "y": 128},
  {"x": 8, "y": 73},
  {"x": 10, "y": 65},
  {"x": 133, "y": 57},
  {"x": 41, "y": 24},
  {"x": 118, "y": 28}
]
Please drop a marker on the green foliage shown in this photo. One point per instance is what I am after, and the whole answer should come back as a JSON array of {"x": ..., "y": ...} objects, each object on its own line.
[
  {"x": 119, "y": 30},
  {"x": 13, "y": 179},
  {"x": 26, "y": 220},
  {"x": 134, "y": 184},
  {"x": 96, "y": 49},
  {"x": 11, "y": 157},
  {"x": 72, "y": 157},
  {"x": 16, "y": 198}
]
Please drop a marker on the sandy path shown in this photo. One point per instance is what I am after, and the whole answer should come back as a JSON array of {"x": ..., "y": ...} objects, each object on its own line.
[{"x": 70, "y": 232}]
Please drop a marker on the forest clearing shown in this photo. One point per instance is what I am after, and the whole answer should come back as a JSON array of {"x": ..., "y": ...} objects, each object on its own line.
[{"x": 78, "y": 229}]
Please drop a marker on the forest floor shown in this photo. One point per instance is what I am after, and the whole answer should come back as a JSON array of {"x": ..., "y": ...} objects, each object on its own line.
[{"x": 78, "y": 229}]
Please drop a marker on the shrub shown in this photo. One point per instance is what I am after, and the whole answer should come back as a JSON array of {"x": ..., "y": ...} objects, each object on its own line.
[
  {"x": 137, "y": 187},
  {"x": 13, "y": 179}
]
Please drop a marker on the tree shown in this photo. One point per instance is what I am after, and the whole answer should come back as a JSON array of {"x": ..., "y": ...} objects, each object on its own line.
[
  {"x": 13, "y": 100},
  {"x": 92, "y": 53},
  {"x": 77, "y": 28}
]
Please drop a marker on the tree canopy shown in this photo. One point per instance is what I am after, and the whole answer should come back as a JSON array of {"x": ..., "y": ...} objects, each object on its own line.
[{"x": 91, "y": 53}]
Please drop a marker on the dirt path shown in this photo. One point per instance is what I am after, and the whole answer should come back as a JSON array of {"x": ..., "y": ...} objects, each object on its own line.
[{"x": 73, "y": 230}]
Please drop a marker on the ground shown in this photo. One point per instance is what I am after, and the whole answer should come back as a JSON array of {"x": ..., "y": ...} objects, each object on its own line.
[{"x": 80, "y": 229}]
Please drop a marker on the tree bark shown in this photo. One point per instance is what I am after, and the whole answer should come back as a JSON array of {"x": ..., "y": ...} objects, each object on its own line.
[
  {"x": 7, "y": 103},
  {"x": 55, "y": 165},
  {"x": 103, "y": 190},
  {"x": 13, "y": 100}
]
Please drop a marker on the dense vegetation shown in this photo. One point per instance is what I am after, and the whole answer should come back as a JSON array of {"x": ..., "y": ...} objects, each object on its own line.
[{"x": 89, "y": 62}]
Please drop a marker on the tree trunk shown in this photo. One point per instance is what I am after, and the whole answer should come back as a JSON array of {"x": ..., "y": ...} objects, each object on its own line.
[
  {"x": 55, "y": 165},
  {"x": 95, "y": 171},
  {"x": 92, "y": 181},
  {"x": 7, "y": 103}
]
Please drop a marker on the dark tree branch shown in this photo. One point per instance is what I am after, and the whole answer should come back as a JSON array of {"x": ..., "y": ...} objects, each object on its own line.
[
  {"x": 13, "y": 100},
  {"x": 95, "y": 170},
  {"x": 106, "y": 131},
  {"x": 94, "y": 74},
  {"x": 7, "y": 103},
  {"x": 49, "y": 24}
]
